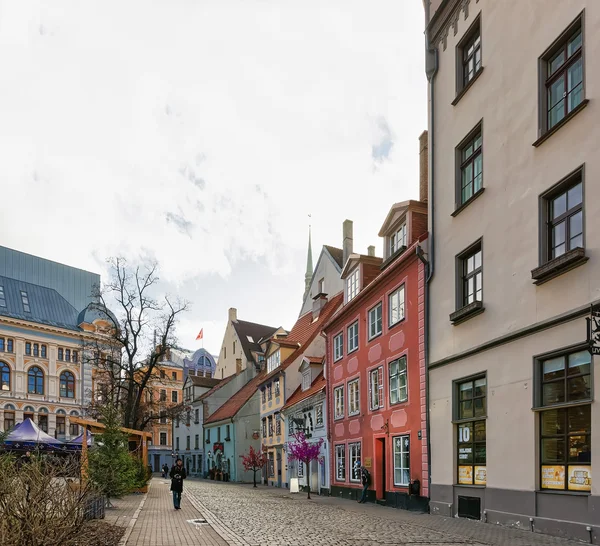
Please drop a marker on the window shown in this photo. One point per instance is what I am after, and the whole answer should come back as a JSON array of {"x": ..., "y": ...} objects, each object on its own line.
[
  {"x": 271, "y": 465},
  {"x": 177, "y": 444},
  {"x": 35, "y": 380},
  {"x": 174, "y": 376},
  {"x": 376, "y": 388},
  {"x": 354, "y": 456},
  {"x": 561, "y": 77},
  {"x": 28, "y": 348},
  {"x": 218, "y": 434},
  {"x": 353, "y": 398},
  {"x": 470, "y": 166},
  {"x": 270, "y": 422},
  {"x": 398, "y": 387},
  {"x": 277, "y": 387},
  {"x": 273, "y": 361},
  {"x": 163, "y": 395},
  {"x": 208, "y": 435},
  {"x": 162, "y": 374},
  {"x": 471, "y": 276},
  {"x": 44, "y": 353},
  {"x": 67, "y": 385},
  {"x": 188, "y": 417},
  {"x": 25, "y": 302},
  {"x": 197, "y": 441},
  {"x": 73, "y": 430},
  {"x": 565, "y": 379},
  {"x": 75, "y": 355},
  {"x": 9, "y": 420},
  {"x": 227, "y": 432},
  {"x": 177, "y": 422},
  {"x": 9, "y": 345},
  {"x": 338, "y": 347},
  {"x": 36, "y": 349},
  {"x": 468, "y": 56},
  {"x": 187, "y": 443},
  {"x": 264, "y": 395},
  {"x": 352, "y": 285},
  {"x": 402, "y": 460},
  {"x": 163, "y": 418},
  {"x": 197, "y": 416},
  {"x": 174, "y": 397},
  {"x": 472, "y": 406},
  {"x": 338, "y": 395},
  {"x": 375, "y": 321},
  {"x": 306, "y": 380},
  {"x": 277, "y": 424},
  {"x": 396, "y": 306},
  {"x": 264, "y": 427},
  {"x": 2, "y": 300},
  {"x": 398, "y": 239},
  {"x": 319, "y": 415},
  {"x": 300, "y": 469},
  {"x": 353, "y": 337},
  {"x": 68, "y": 355},
  {"x": 270, "y": 391},
  {"x": 340, "y": 463},
  {"x": 60, "y": 354},
  {"x": 60, "y": 425},
  {"x": 43, "y": 423},
  {"x": 4, "y": 377}
]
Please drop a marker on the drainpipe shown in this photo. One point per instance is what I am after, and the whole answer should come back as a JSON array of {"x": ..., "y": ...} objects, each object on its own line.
[{"x": 431, "y": 67}]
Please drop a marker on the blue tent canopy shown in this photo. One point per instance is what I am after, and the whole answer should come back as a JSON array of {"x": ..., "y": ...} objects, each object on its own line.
[
  {"x": 76, "y": 443},
  {"x": 27, "y": 435}
]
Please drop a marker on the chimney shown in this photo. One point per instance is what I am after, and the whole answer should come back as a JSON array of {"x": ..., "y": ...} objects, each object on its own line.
[
  {"x": 347, "y": 240},
  {"x": 232, "y": 314},
  {"x": 371, "y": 251},
  {"x": 423, "y": 167},
  {"x": 319, "y": 302}
]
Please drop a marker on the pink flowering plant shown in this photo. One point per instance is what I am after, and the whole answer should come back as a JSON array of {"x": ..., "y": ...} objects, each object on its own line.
[
  {"x": 303, "y": 451},
  {"x": 254, "y": 461}
]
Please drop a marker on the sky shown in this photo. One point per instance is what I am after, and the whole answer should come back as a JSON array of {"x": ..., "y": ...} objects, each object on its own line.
[{"x": 202, "y": 134}]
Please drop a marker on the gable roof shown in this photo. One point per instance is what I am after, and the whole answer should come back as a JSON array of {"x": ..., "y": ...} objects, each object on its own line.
[
  {"x": 46, "y": 305},
  {"x": 337, "y": 254},
  {"x": 299, "y": 395},
  {"x": 219, "y": 385},
  {"x": 305, "y": 330},
  {"x": 230, "y": 408},
  {"x": 204, "y": 381},
  {"x": 250, "y": 333}
]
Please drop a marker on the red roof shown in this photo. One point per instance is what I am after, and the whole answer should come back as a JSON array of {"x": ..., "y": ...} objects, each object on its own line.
[
  {"x": 230, "y": 408},
  {"x": 317, "y": 386},
  {"x": 305, "y": 330}
]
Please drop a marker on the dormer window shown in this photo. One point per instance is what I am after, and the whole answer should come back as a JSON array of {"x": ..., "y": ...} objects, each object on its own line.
[
  {"x": 306, "y": 381},
  {"x": 273, "y": 361},
  {"x": 352, "y": 285},
  {"x": 25, "y": 302},
  {"x": 398, "y": 239}
]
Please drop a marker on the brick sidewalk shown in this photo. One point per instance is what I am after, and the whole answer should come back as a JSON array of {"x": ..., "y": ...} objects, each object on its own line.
[
  {"x": 123, "y": 510},
  {"x": 159, "y": 524}
]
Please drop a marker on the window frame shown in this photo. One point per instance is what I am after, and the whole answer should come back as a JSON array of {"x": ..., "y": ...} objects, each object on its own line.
[
  {"x": 338, "y": 337},
  {"x": 544, "y": 78},
  {"x": 353, "y": 388},
  {"x": 461, "y": 164},
  {"x": 469, "y": 36},
  {"x": 461, "y": 276},
  {"x": 25, "y": 301},
  {"x": 403, "y": 439},
  {"x": 319, "y": 410},
  {"x": 398, "y": 238},
  {"x": 68, "y": 379},
  {"x": 340, "y": 456},
  {"x": 373, "y": 334},
  {"x": 400, "y": 373},
  {"x": 377, "y": 370},
  {"x": 5, "y": 376},
  {"x": 352, "y": 284},
  {"x": 37, "y": 377},
  {"x": 337, "y": 416},
  {"x": 274, "y": 361},
  {"x": 352, "y": 337},
  {"x": 401, "y": 306},
  {"x": 354, "y": 454}
]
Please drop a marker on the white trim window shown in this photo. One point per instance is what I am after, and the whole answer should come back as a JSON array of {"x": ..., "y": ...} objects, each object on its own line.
[
  {"x": 375, "y": 321},
  {"x": 340, "y": 463},
  {"x": 353, "y": 398},
  {"x": 306, "y": 380},
  {"x": 354, "y": 457},
  {"x": 396, "y": 306},
  {"x": 319, "y": 415},
  {"x": 398, "y": 383},
  {"x": 273, "y": 361},
  {"x": 352, "y": 285},
  {"x": 398, "y": 239},
  {"x": 300, "y": 469},
  {"x": 277, "y": 387},
  {"x": 338, "y": 396},
  {"x": 376, "y": 388},
  {"x": 338, "y": 346},
  {"x": 402, "y": 460},
  {"x": 353, "y": 337}
]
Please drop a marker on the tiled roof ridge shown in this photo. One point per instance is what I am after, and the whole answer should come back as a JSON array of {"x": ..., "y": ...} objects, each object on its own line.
[{"x": 299, "y": 395}]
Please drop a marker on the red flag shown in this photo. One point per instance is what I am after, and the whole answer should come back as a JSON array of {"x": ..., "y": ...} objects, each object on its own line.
[{"x": 200, "y": 335}]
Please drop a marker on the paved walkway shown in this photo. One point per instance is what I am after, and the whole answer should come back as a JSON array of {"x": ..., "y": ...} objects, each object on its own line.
[{"x": 123, "y": 510}]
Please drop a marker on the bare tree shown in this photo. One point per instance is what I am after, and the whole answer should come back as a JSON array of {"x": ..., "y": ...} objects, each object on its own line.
[{"x": 134, "y": 340}]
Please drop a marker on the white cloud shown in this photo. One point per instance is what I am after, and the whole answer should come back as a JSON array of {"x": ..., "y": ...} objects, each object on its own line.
[{"x": 203, "y": 133}]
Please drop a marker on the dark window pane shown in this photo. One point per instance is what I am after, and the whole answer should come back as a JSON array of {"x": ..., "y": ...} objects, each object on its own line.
[
  {"x": 574, "y": 196},
  {"x": 480, "y": 453},
  {"x": 553, "y": 422},
  {"x": 554, "y": 368},
  {"x": 574, "y": 43},
  {"x": 580, "y": 419},
  {"x": 553, "y": 393},
  {"x": 556, "y": 62},
  {"x": 466, "y": 409},
  {"x": 553, "y": 450},
  {"x": 479, "y": 407},
  {"x": 578, "y": 445},
  {"x": 579, "y": 362},
  {"x": 466, "y": 390},
  {"x": 479, "y": 431},
  {"x": 579, "y": 388}
]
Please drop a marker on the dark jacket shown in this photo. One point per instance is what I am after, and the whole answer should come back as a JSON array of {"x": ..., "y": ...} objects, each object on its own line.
[{"x": 178, "y": 474}]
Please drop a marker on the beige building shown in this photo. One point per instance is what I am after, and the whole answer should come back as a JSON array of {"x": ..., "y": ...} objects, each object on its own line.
[{"x": 514, "y": 262}]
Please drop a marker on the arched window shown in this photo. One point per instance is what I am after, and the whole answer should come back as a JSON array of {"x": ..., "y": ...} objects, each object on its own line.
[
  {"x": 67, "y": 385},
  {"x": 4, "y": 377},
  {"x": 35, "y": 380}
]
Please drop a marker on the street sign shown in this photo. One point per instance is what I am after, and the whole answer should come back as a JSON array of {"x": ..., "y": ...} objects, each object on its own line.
[{"x": 594, "y": 330}]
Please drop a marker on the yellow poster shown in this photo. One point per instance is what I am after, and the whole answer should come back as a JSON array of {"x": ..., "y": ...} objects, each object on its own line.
[
  {"x": 580, "y": 478},
  {"x": 480, "y": 475},
  {"x": 465, "y": 475},
  {"x": 553, "y": 477},
  {"x": 367, "y": 462}
]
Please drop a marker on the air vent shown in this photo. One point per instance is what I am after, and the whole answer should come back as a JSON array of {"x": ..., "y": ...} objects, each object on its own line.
[{"x": 469, "y": 507}]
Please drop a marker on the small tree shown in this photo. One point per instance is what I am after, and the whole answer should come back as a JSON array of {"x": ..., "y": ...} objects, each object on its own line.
[
  {"x": 254, "y": 460},
  {"x": 303, "y": 451},
  {"x": 111, "y": 466}
]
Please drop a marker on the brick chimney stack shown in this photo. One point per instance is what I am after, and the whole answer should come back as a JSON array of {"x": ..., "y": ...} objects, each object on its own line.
[
  {"x": 232, "y": 314},
  {"x": 423, "y": 167},
  {"x": 347, "y": 240}
]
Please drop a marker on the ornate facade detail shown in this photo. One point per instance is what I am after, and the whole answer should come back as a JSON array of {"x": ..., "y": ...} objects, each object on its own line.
[{"x": 447, "y": 17}]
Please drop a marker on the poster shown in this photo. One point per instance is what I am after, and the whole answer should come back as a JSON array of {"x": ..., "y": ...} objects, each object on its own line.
[
  {"x": 553, "y": 477},
  {"x": 480, "y": 475},
  {"x": 465, "y": 475},
  {"x": 580, "y": 478}
]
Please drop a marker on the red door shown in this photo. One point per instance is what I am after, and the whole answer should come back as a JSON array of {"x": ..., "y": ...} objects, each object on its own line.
[{"x": 380, "y": 468}]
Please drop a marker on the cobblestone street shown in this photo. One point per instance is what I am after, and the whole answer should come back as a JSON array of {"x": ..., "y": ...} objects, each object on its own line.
[{"x": 274, "y": 517}]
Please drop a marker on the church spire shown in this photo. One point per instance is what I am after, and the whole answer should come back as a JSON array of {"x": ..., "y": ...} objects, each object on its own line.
[{"x": 309, "y": 265}]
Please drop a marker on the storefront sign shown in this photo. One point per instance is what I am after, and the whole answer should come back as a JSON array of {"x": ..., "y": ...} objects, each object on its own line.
[
  {"x": 580, "y": 478},
  {"x": 218, "y": 446},
  {"x": 480, "y": 475},
  {"x": 553, "y": 477},
  {"x": 594, "y": 330},
  {"x": 367, "y": 462},
  {"x": 465, "y": 475}
]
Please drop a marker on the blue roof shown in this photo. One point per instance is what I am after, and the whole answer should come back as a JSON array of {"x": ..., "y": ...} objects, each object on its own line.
[{"x": 46, "y": 305}]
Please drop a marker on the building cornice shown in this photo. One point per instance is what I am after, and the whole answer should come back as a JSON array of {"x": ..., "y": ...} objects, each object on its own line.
[
  {"x": 447, "y": 16},
  {"x": 49, "y": 329}
]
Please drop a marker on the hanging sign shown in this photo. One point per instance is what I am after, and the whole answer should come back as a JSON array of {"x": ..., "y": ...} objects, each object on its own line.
[{"x": 594, "y": 330}]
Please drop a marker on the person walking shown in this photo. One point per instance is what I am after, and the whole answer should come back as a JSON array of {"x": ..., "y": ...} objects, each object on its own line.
[
  {"x": 165, "y": 470},
  {"x": 365, "y": 478},
  {"x": 178, "y": 474}
]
